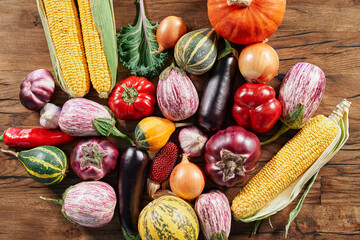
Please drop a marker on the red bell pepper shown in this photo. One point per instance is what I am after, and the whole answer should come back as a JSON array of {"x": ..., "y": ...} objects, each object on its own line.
[
  {"x": 255, "y": 107},
  {"x": 133, "y": 98},
  {"x": 35, "y": 137}
]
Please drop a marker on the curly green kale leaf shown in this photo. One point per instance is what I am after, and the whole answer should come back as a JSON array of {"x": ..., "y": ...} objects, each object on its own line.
[{"x": 136, "y": 47}]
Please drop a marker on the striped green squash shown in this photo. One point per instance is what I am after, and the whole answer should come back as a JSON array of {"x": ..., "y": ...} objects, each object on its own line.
[
  {"x": 195, "y": 52},
  {"x": 45, "y": 164},
  {"x": 168, "y": 217}
]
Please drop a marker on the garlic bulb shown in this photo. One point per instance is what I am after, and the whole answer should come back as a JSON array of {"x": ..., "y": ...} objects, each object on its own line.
[
  {"x": 192, "y": 140},
  {"x": 49, "y": 116}
]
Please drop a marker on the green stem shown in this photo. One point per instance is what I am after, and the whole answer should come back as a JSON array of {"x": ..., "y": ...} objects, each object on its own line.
[
  {"x": 228, "y": 50},
  {"x": 2, "y": 137},
  {"x": 129, "y": 236},
  {"x": 115, "y": 132},
  {"x": 106, "y": 127},
  {"x": 57, "y": 201},
  {"x": 284, "y": 128}
]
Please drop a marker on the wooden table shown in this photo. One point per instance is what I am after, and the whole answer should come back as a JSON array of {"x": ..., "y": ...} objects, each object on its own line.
[{"x": 324, "y": 32}]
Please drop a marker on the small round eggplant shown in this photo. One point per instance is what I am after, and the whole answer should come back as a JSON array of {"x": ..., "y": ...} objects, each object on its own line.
[
  {"x": 133, "y": 167},
  {"x": 213, "y": 106},
  {"x": 36, "y": 89},
  {"x": 230, "y": 155},
  {"x": 89, "y": 204},
  {"x": 94, "y": 158}
]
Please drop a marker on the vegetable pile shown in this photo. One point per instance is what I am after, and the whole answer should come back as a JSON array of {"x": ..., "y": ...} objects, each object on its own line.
[{"x": 227, "y": 154}]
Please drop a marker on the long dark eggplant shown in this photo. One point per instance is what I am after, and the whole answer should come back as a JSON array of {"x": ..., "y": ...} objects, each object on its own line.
[
  {"x": 216, "y": 95},
  {"x": 133, "y": 168}
]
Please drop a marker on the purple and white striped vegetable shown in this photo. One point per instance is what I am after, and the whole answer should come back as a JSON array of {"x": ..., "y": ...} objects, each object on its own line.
[
  {"x": 300, "y": 95},
  {"x": 77, "y": 116},
  {"x": 93, "y": 159},
  {"x": 213, "y": 211},
  {"x": 89, "y": 204},
  {"x": 176, "y": 94},
  {"x": 36, "y": 89}
]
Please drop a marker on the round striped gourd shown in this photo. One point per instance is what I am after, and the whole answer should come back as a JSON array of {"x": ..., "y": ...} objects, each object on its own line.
[
  {"x": 45, "y": 164},
  {"x": 152, "y": 133},
  {"x": 195, "y": 52},
  {"x": 168, "y": 217}
]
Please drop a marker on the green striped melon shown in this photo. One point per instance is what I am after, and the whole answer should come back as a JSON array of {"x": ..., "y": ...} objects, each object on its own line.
[
  {"x": 195, "y": 52},
  {"x": 168, "y": 217},
  {"x": 45, "y": 164}
]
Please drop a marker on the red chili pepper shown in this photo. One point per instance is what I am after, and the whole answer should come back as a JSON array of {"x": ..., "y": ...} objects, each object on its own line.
[
  {"x": 35, "y": 137},
  {"x": 133, "y": 98},
  {"x": 255, "y": 107}
]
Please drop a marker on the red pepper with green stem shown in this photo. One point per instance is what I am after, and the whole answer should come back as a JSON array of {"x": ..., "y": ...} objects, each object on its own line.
[
  {"x": 35, "y": 137},
  {"x": 255, "y": 107},
  {"x": 133, "y": 98}
]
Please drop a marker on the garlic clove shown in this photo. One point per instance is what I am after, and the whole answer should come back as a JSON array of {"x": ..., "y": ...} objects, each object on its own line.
[
  {"x": 49, "y": 116},
  {"x": 192, "y": 140}
]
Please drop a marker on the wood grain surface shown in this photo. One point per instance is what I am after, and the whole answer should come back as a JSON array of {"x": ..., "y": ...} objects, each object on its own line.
[{"x": 324, "y": 32}]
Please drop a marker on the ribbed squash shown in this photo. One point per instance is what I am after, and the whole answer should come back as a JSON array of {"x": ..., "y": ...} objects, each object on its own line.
[
  {"x": 166, "y": 218},
  {"x": 45, "y": 164},
  {"x": 195, "y": 52},
  {"x": 152, "y": 133}
]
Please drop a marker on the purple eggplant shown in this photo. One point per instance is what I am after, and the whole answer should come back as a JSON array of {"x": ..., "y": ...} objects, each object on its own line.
[
  {"x": 93, "y": 159},
  {"x": 300, "y": 95},
  {"x": 133, "y": 167},
  {"x": 230, "y": 155},
  {"x": 36, "y": 89},
  {"x": 216, "y": 95}
]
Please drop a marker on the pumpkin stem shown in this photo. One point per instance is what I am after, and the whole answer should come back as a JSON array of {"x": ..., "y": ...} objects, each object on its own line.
[
  {"x": 9, "y": 152},
  {"x": 243, "y": 3},
  {"x": 183, "y": 124}
]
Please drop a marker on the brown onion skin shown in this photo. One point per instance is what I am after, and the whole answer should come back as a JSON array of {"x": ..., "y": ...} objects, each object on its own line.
[
  {"x": 169, "y": 31},
  {"x": 187, "y": 180},
  {"x": 258, "y": 63}
]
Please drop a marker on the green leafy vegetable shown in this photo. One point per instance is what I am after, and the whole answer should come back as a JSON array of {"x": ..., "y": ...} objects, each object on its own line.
[{"x": 136, "y": 47}]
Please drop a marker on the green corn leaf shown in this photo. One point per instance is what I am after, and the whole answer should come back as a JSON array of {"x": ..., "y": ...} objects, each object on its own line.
[
  {"x": 136, "y": 46},
  {"x": 297, "y": 209},
  {"x": 292, "y": 191}
]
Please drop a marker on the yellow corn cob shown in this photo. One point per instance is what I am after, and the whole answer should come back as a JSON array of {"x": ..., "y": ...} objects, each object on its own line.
[
  {"x": 100, "y": 75},
  {"x": 65, "y": 33},
  {"x": 286, "y": 166}
]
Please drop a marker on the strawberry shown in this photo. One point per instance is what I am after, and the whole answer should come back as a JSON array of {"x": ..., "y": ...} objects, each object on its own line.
[{"x": 163, "y": 163}]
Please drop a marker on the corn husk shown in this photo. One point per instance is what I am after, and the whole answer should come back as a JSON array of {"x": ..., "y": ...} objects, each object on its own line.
[
  {"x": 104, "y": 18},
  {"x": 291, "y": 192}
]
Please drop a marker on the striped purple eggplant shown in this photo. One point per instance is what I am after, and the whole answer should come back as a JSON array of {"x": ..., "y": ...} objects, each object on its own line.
[
  {"x": 213, "y": 211},
  {"x": 300, "y": 95},
  {"x": 176, "y": 94},
  {"x": 89, "y": 204},
  {"x": 77, "y": 115}
]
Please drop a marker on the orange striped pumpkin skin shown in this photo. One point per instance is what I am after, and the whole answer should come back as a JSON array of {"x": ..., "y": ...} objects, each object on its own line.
[
  {"x": 152, "y": 133},
  {"x": 196, "y": 52}
]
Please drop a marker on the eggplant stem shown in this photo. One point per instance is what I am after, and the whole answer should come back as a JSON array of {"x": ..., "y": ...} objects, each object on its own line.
[
  {"x": 129, "y": 236},
  {"x": 284, "y": 128},
  {"x": 116, "y": 132},
  {"x": 9, "y": 152},
  {"x": 52, "y": 200}
]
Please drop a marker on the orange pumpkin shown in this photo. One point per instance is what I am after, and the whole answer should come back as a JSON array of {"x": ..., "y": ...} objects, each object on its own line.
[{"x": 246, "y": 21}]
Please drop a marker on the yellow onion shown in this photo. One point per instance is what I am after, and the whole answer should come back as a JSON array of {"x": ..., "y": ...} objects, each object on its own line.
[
  {"x": 258, "y": 63},
  {"x": 187, "y": 180}
]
